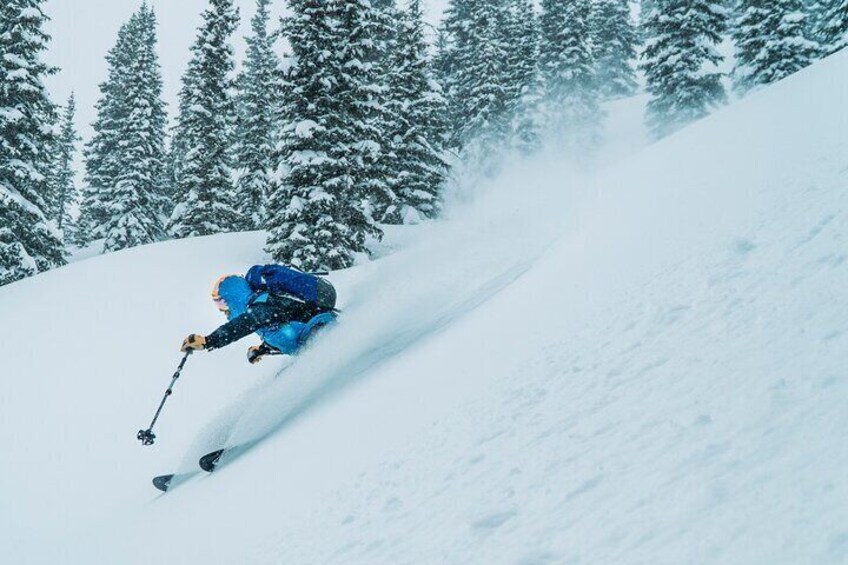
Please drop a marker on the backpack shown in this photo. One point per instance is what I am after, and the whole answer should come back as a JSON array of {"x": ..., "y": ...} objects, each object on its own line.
[{"x": 281, "y": 280}]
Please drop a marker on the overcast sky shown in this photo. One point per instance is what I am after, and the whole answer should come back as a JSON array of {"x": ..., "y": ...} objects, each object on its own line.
[{"x": 84, "y": 30}]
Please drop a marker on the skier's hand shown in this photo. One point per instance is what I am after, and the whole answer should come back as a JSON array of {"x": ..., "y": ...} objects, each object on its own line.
[
  {"x": 255, "y": 354},
  {"x": 194, "y": 342}
]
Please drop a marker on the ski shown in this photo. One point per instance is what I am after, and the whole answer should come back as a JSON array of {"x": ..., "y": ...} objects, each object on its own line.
[
  {"x": 220, "y": 457},
  {"x": 168, "y": 482},
  {"x": 209, "y": 461},
  {"x": 163, "y": 482}
]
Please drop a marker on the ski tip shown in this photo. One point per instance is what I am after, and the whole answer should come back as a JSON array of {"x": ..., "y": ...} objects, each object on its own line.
[
  {"x": 209, "y": 461},
  {"x": 163, "y": 482}
]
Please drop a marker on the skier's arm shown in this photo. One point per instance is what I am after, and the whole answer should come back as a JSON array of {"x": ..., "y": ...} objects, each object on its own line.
[{"x": 254, "y": 319}]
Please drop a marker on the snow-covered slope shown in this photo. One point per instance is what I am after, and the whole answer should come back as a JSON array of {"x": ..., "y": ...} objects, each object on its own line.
[{"x": 646, "y": 366}]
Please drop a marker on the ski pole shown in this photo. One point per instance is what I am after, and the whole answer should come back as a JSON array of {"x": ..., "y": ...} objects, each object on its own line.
[{"x": 147, "y": 437}]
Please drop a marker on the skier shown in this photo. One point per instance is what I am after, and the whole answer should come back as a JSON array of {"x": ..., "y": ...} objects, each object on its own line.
[{"x": 284, "y": 306}]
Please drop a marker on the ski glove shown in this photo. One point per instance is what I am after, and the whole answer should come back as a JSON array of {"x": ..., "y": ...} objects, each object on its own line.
[
  {"x": 255, "y": 354},
  {"x": 194, "y": 342}
]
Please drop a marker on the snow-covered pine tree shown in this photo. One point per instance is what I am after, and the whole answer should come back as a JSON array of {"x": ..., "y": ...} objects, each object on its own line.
[
  {"x": 124, "y": 201},
  {"x": 257, "y": 105},
  {"x": 136, "y": 204},
  {"x": 415, "y": 156},
  {"x": 159, "y": 112},
  {"x": 521, "y": 33},
  {"x": 62, "y": 177},
  {"x": 615, "y": 40},
  {"x": 523, "y": 78},
  {"x": 834, "y": 25},
  {"x": 441, "y": 66},
  {"x": 645, "y": 9},
  {"x": 442, "y": 58},
  {"x": 316, "y": 218},
  {"x": 446, "y": 64},
  {"x": 679, "y": 60},
  {"x": 102, "y": 163},
  {"x": 568, "y": 68},
  {"x": 386, "y": 28},
  {"x": 178, "y": 148},
  {"x": 772, "y": 42},
  {"x": 205, "y": 193},
  {"x": 815, "y": 12},
  {"x": 28, "y": 243},
  {"x": 475, "y": 77},
  {"x": 386, "y": 25},
  {"x": 363, "y": 63}
]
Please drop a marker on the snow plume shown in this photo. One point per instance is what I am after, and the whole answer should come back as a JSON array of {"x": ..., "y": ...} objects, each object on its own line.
[
  {"x": 425, "y": 287},
  {"x": 497, "y": 221}
]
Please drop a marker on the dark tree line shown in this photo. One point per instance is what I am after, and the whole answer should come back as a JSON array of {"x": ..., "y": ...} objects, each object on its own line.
[
  {"x": 357, "y": 124},
  {"x": 29, "y": 240}
]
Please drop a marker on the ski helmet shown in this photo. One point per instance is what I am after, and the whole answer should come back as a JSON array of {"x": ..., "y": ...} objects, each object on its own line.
[{"x": 216, "y": 294}]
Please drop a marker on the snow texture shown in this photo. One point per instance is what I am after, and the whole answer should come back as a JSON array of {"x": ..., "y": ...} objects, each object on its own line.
[{"x": 656, "y": 376}]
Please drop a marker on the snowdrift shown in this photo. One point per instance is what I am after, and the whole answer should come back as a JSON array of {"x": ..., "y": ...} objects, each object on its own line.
[{"x": 643, "y": 366}]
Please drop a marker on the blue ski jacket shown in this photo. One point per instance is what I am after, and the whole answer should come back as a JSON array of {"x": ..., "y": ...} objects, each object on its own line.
[{"x": 283, "y": 322}]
